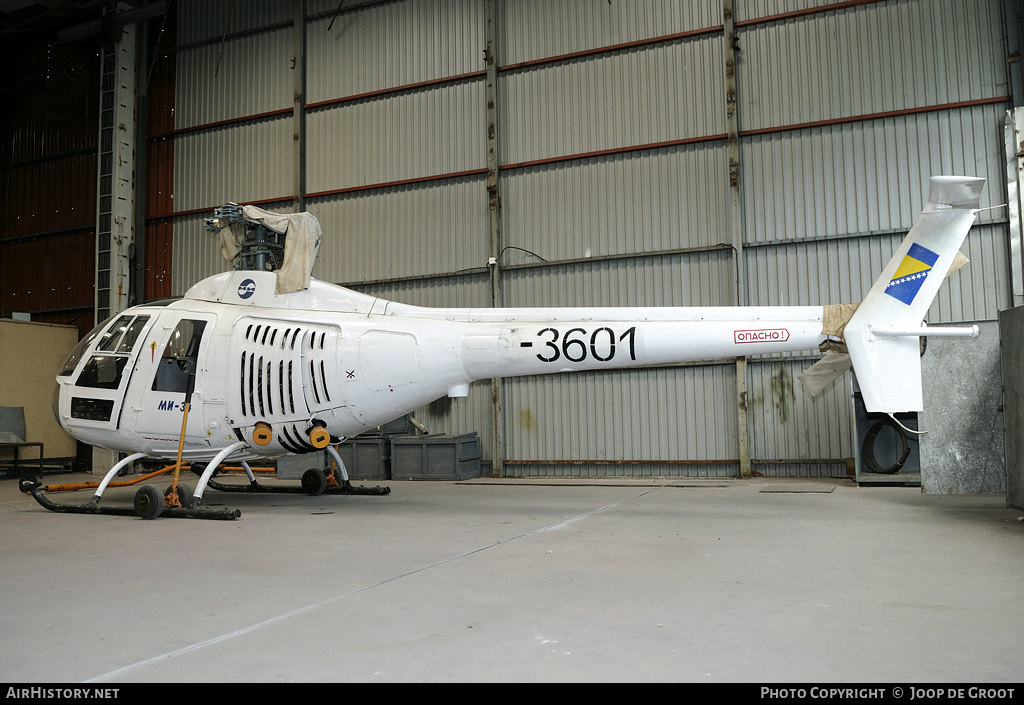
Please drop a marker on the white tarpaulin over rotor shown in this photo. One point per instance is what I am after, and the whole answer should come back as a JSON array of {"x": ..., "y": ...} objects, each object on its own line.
[{"x": 300, "y": 246}]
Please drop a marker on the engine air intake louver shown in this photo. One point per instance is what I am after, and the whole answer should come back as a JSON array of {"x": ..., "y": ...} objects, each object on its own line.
[
  {"x": 267, "y": 372},
  {"x": 284, "y": 371}
]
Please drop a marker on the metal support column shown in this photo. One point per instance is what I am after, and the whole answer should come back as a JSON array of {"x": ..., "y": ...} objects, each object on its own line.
[
  {"x": 138, "y": 256},
  {"x": 1014, "y": 140},
  {"x": 741, "y": 409},
  {"x": 115, "y": 183},
  {"x": 298, "y": 109},
  {"x": 115, "y": 211},
  {"x": 1013, "y": 135},
  {"x": 494, "y": 228},
  {"x": 735, "y": 220},
  {"x": 1013, "y": 17}
]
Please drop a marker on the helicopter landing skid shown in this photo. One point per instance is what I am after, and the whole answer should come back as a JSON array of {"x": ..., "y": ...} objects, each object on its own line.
[
  {"x": 31, "y": 485},
  {"x": 307, "y": 487}
]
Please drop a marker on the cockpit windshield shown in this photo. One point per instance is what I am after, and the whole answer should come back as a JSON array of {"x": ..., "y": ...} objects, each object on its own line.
[
  {"x": 121, "y": 337},
  {"x": 72, "y": 362},
  {"x": 103, "y": 371}
]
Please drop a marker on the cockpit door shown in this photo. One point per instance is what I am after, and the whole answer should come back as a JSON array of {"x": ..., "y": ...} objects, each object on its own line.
[{"x": 177, "y": 349}]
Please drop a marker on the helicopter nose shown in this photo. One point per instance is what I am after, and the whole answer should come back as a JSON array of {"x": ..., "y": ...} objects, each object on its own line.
[{"x": 55, "y": 406}]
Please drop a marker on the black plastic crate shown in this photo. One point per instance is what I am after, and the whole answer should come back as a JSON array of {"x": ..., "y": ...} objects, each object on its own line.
[{"x": 437, "y": 457}]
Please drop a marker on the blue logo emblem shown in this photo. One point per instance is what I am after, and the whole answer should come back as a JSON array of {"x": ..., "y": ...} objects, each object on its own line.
[
  {"x": 911, "y": 273},
  {"x": 246, "y": 289}
]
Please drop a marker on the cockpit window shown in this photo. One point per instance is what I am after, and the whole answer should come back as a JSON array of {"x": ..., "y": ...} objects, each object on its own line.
[
  {"x": 104, "y": 369},
  {"x": 110, "y": 339},
  {"x": 72, "y": 362},
  {"x": 132, "y": 334},
  {"x": 121, "y": 336},
  {"x": 178, "y": 360},
  {"x": 102, "y": 372}
]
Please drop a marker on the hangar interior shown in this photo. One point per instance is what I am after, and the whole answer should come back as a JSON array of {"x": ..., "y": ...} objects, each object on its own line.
[
  {"x": 532, "y": 153},
  {"x": 535, "y": 153}
]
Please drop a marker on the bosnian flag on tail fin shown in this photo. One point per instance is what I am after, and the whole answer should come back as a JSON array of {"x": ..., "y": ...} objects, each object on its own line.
[{"x": 910, "y": 275}]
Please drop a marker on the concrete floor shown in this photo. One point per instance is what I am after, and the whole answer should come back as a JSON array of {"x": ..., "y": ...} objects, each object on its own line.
[{"x": 671, "y": 580}]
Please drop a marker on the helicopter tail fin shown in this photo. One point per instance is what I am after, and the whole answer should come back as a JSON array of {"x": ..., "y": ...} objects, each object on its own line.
[{"x": 882, "y": 336}]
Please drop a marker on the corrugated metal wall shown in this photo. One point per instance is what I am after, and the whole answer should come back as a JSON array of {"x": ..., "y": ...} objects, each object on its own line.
[
  {"x": 647, "y": 201},
  {"x": 614, "y": 183},
  {"x": 390, "y": 45},
  {"x": 50, "y": 95}
]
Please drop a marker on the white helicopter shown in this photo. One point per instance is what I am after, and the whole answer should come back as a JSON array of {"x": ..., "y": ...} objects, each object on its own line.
[{"x": 265, "y": 361}]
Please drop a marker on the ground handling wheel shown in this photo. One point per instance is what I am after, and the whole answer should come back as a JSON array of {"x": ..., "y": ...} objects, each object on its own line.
[
  {"x": 149, "y": 502},
  {"x": 184, "y": 494},
  {"x": 314, "y": 482}
]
